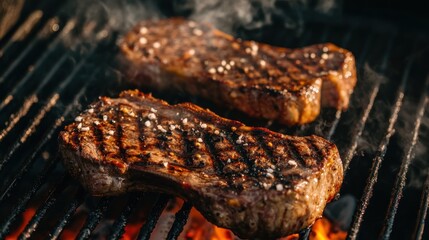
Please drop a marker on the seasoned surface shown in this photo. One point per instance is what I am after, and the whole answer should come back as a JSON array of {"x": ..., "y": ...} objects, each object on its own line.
[
  {"x": 286, "y": 85},
  {"x": 256, "y": 182}
]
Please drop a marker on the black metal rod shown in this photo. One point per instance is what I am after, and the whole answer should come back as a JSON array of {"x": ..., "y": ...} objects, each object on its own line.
[
  {"x": 71, "y": 208},
  {"x": 378, "y": 159},
  {"x": 41, "y": 211},
  {"x": 121, "y": 221},
  {"x": 358, "y": 129},
  {"x": 93, "y": 219},
  {"x": 179, "y": 222},
  {"x": 40, "y": 61},
  {"x": 402, "y": 175},
  {"x": 423, "y": 210},
  {"x": 20, "y": 207},
  {"x": 305, "y": 234},
  {"x": 154, "y": 214}
]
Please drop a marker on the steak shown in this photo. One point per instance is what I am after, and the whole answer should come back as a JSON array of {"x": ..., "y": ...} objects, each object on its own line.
[
  {"x": 256, "y": 182},
  {"x": 263, "y": 81}
]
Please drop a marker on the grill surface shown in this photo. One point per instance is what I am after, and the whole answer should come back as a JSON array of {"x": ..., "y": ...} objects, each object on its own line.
[{"x": 45, "y": 78}]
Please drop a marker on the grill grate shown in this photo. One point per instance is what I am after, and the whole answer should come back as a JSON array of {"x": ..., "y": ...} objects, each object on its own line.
[{"x": 43, "y": 83}]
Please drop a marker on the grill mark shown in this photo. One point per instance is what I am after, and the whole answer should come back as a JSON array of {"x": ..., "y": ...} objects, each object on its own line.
[
  {"x": 188, "y": 149},
  {"x": 269, "y": 152},
  {"x": 319, "y": 154},
  {"x": 161, "y": 139},
  {"x": 119, "y": 134},
  {"x": 293, "y": 151},
  {"x": 244, "y": 156},
  {"x": 142, "y": 137},
  {"x": 258, "y": 135},
  {"x": 210, "y": 145},
  {"x": 273, "y": 63},
  {"x": 253, "y": 61},
  {"x": 75, "y": 139},
  {"x": 99, "y": 139}
]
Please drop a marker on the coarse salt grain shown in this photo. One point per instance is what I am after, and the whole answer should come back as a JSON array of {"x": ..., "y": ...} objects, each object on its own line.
[
  {"x": 185, "y": 121},
  {"x": 197, "y": 32},
  {"x": 279, "y": 187},
  {"x": 172, "y": 127},
  {"x": 270, "y": 170},
  {"x": 292, "y": 163},
  {"x": 96, "y": 123},
  {"x": 143, "y": 40},
  {"x": 212, "y": 71},
  {"x": 266, "y": 186},
  {"x": 161, "y": 128},
  {"x": 165, "y": 164},
  {"x": 79, "y": 125},
  {"x": 104, "y": 117},
  {"x": 200, "y": 140},
  {"x": 84, "y": 129},
  {"x": 91, "y": 110},
  {"x": 156, "y": 44},
  {"x": 147, "y": 123},
  {"x": 240, "y": 140},
  {"x": 78, "y": 119},
  {"x": 325, "y": 56},
  {"x": 216, "y": 132},
  {"x": 151, "y": 116},
  {"x": 203, "y": 125},
  {"x": 153, "y": 110},
  {"x": 111, "y": 132},
  {"x": 143, "y": 30}
]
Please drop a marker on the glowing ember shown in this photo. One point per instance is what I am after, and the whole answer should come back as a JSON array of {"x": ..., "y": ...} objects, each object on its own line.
[
  {"x": 26, "y": 217},
  {"x": 197, "y": 227},
  {"x": 201, "y": 229}
]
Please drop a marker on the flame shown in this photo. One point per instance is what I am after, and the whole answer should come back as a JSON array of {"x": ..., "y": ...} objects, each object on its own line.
[
  {"x": 323, "y": 229},
  {"x": 201, "y": 229},
  {"x": 197, "y": 227},
  {"x": 26, "y": 217}
]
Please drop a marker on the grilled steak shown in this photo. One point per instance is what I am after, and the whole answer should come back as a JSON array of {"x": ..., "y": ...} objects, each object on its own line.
[
  {"x": 286, "y": 85},
  {"x": 253, "y": 181}
]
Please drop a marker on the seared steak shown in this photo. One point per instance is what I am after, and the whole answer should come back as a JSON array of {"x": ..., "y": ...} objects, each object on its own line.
[
  {"x": 285, "y": 85},
  {"x": 253, "y": 181}
]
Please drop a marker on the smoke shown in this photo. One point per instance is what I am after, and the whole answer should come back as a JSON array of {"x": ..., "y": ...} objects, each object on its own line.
[
  {"x": 255, "y": 14},
  {"x": 419, "y": 163},
  {"x": 226, "y": 15}
]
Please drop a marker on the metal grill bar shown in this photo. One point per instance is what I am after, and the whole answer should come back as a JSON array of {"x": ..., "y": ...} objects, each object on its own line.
[
  {"x": 43, "y": 34},
  {"x": 358, "y": 129},
  {"x": 16, "y": 117},
  {"x": 71, "y": 208},
  {"x": 93, "y": 219},
  {"x": 41, "y": 211},
  {"x": 4, "y": 229},
  {"x": 22, "y": 32},
  {"x": 153, "y": 217},
  {"x": 402, "y": 175},
  {"x": 180, "y": 220},
  {"x": 39, "y": 63},
  {"x": 423, "y": 209},
  {"x": 39, "y": 146},
  {"x": 121, "y": 222},
  {"x": 381, "y": 151}
]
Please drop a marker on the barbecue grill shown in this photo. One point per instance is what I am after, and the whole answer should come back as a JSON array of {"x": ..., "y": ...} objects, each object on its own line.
[{"x": 52, "y": 63}]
